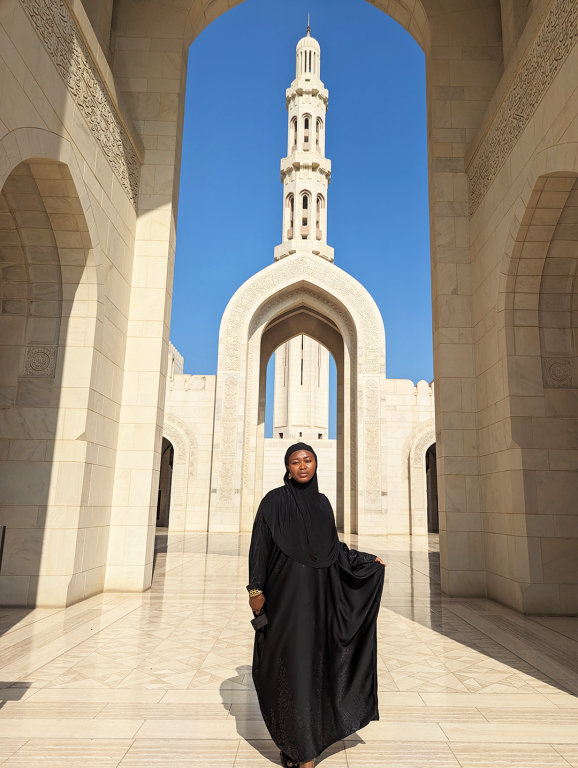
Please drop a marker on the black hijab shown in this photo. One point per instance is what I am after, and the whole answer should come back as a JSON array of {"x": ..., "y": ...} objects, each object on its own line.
[{"x": 301, "y": 519}]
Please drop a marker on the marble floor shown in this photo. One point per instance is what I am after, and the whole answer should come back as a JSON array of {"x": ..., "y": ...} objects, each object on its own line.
[{"x": 163, "y": 678}]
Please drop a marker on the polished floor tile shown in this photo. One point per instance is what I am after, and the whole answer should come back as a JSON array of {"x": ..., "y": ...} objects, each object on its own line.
[{"x": 164, "y": 678}]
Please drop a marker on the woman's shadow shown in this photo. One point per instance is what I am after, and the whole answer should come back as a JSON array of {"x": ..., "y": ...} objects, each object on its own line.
[{"x": 239, "y": 698}]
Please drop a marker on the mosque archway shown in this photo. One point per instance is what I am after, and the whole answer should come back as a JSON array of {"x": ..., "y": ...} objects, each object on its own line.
[
  {"x": 52, "y": 553},
  {"x": 301, "y": 405},
  {"x": 449, "y": 44},
  {"x": 280, "y": 331},
  {"x": 433, "y": 523},
  {"x": 303, "y": 294},
  {"x": 165, "y": 484},
  {"x": 539, "y": 479},
  {"x": 423, "y": 504}
]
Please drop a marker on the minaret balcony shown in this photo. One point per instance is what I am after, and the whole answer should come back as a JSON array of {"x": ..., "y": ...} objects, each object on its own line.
[
  {"x": 302, "y": 247},
  {"x": 311, "y": 86},
  {"x": 309, "y": 159}
]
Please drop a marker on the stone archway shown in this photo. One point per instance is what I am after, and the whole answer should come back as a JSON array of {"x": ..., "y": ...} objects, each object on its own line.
[
  {"x": 339, "y": 301},
  {"x": 425, "y": 438},
  {"x": 50, "y": 478},
  {"x": 184, "y": 470},
  {"x": 302, "y": 318}
]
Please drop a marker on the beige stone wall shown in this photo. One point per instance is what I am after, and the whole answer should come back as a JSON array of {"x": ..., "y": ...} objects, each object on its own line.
[
  {"x": 67, "y": 242},
  {"x": 409, "y": 425},
  {"x": 407, "y": 429},
  {"x": 188, "y": 424},
  {"x": 523, "y": 234}
]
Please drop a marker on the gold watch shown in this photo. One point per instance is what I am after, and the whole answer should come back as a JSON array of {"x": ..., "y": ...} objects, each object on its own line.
[{"x": 255, "y": 592}]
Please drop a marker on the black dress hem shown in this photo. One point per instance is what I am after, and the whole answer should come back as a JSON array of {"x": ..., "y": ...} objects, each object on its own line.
[{"x": 331, "y": 743}]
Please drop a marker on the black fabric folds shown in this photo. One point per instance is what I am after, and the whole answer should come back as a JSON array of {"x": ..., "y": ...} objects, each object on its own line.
[
  {"x": 301, "y": 519},
  {"x": 315, "y": 660}
]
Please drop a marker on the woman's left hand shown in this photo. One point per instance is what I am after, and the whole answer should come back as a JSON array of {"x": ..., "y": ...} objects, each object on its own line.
[{"x": 379, "y": 560}]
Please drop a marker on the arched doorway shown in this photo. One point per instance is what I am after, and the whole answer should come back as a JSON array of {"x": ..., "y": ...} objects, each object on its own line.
[
  {"x": 301, "y": 406},
  {"x": 165, "y": 484},
  {"x": 302, "y": 294},
  {"x": 422, "y": 476},
  {"x": 433, "y": 524},
  {"x": 536, "y": 484},
  {"x": 54, "y": 494},
  {"x": 280, "y": 330}
]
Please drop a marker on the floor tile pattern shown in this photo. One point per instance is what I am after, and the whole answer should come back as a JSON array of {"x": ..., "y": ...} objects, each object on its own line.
[{"x": 163, "y": 678}]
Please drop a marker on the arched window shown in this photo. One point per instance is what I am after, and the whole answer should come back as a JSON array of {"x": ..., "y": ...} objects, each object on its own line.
[
  {"x": 293, "y": 135},
  {"x": 290, "y": 206},
  {"x": 306, "y": 123},
  {"x": 305, "y": 216},
  {"x": 320, "y": 206},
  {"x": 318, "y": 129},
  {"x": 309, "y": 70}
]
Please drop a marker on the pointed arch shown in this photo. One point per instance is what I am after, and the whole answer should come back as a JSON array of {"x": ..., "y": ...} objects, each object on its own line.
[{"x": 184, "y": 469}]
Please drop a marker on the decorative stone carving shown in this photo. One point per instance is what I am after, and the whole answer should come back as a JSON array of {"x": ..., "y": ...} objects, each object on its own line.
[
  {"x": 557, "y": 372},
  {"x": 540, "y": 65},
  {"x": 371, "y": 452},
  {"x": 228, "y": 439},
  {"x": 57, "y": 30},
  {"x": 228, "y": 442},
  {"x": 418, "y": 480},
  {"x": 333, "y": 279},
  {"x": 184, "y": 467},
  {"x": 40, "y": 361},
  {"x": 421, "y": 446}
]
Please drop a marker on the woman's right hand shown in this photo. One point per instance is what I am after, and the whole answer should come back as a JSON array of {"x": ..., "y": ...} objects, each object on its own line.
[{"x": 257, "y": 603}]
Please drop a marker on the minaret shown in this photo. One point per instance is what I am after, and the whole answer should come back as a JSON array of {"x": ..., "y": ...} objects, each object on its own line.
[
  {"x": 301, "y": 399},
  {"x": 306, "y": 172}
]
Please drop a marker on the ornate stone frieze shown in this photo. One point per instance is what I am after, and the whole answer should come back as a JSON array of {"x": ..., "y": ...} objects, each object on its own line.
[
  {"x": 371, "y": 452},
  {"x": 418, "y": 480},
  {"x": 179, "y": 480},
  {"x": 228, "y": 442},
  {"x": 336, "y": 282},
  {"x": 540, "y": 65},
  {"x": 57, "y": 30},
  {"x": 557, "y": 372},
  {"x": 39, "y": 361},
  {"x": 184, "y": 466},
  {"x": 421, "y": 446}
]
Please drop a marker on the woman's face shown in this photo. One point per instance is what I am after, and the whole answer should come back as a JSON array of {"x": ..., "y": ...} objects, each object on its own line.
[{"x": 302, "y": 466}]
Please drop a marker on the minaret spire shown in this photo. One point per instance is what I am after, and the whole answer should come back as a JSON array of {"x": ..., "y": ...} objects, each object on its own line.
[{"x": 306, "y": 172}]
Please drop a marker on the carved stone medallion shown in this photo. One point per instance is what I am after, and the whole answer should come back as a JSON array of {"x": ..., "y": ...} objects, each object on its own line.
[
  {"x": 557, "y": 372},
  {"x": 40, "y": 361}
]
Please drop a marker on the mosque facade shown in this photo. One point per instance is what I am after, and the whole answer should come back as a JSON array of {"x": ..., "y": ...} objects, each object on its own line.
[
  {"x": 91, "y": 133},
  {"x": 301, "y": 308}
]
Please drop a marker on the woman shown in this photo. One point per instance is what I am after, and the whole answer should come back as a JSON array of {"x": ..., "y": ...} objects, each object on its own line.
[{"x": 314, "y": 662}]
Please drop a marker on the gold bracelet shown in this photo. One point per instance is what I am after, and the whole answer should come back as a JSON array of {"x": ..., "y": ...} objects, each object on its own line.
[{"x": 255, "y": 592}]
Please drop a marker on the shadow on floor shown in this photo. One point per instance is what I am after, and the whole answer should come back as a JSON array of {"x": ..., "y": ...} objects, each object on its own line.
[{"x": 249, "y": 722}]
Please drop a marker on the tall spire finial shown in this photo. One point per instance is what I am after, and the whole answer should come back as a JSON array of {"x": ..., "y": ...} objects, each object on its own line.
[{"x": 308, "y": 27}]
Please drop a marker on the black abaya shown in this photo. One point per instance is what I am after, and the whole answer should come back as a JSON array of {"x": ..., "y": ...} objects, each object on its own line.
[{"x": 315, "y": 662}]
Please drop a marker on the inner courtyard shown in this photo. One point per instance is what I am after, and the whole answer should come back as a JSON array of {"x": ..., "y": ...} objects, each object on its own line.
[
  {"x": 164, "y": 678},
  {"x": 129, "y": 486}
]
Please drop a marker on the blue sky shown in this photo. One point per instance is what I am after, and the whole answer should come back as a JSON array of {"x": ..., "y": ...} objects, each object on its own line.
[{"x": 236, "y": 133}]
